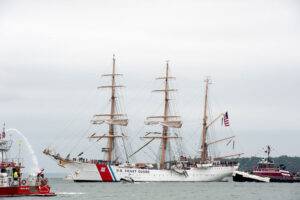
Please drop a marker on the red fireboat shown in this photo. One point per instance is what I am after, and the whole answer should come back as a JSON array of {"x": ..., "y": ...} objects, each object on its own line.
[
  {"x": 12, "y": 183},
  {"x": 265, "y": 171}
]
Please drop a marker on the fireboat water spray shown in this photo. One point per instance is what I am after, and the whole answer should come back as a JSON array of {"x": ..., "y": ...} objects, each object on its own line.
[{"x": 35, "y": 168}]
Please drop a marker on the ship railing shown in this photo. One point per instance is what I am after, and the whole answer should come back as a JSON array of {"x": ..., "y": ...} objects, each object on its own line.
[
  {"x": 265, "y": 169},
  {"x": 225, "y": 163},
  {"x": 85, "y": 160}
]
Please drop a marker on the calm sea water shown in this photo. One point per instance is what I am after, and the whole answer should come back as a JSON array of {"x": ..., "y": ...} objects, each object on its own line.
[{"x": 172, "y": 191}]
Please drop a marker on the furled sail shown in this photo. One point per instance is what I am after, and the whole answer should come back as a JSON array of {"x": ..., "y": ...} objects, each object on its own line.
[
  {"x": 121, "y": 122},
  {"x": 106, "y": 118},
  {"x": 171, "y": 124},
  {"x": 151, "y": 122}
]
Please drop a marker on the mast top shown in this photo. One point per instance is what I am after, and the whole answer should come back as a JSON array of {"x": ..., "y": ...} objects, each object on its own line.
[{"x": 208, "y": 80}]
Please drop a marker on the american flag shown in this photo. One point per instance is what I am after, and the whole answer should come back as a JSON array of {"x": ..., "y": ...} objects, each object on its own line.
[{"x": 226, "y": 119}]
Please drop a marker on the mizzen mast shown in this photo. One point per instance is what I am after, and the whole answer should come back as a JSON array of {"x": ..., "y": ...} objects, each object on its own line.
[
  {"x": 167, "y": 120},
  {"x": 205, "y": 125},
  {"x": 113, "y": 119},
  {"x": 204, "y": 152}
]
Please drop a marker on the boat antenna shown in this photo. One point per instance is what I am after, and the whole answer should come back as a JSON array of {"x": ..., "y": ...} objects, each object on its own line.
[{"x": 268, "y": 151}]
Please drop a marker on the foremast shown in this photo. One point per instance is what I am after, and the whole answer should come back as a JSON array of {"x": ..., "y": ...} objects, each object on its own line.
[
  {"x": 167, "y": 120},
  {"x": 113, "y": 119}
]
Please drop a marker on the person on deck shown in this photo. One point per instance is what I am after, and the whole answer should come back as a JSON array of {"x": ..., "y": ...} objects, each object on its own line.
[
  {"x": 41, "y": 174},
  {"x": 16, "y": 175}
]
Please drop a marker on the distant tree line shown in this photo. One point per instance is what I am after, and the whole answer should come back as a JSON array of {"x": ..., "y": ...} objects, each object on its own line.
[{"x": 291, "y": 163}]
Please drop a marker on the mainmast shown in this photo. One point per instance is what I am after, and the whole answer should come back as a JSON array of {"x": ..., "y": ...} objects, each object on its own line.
[
  {"x": 204, "y": 153},
  {"x": 111, "y": 131},
  {"x": 164, "y": 139},
  {"x": 166, "y": 120},
  {"x": 113, "y": 119}
]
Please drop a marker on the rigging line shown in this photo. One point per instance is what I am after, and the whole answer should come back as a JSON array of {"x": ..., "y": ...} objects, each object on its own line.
[
  {"x": 121, "y": 104},
  {"x": 86, "y": 132},
  {"x": 178, "y": 99},
  {"x": 89, "y": 147},
  {"x": 137, "y": 91},
  {"x": 143, "y": 126},
  {"x": 153, "y": 155},
  {"x": 149, "y": 155},
  {"x": 219, "y": 107},
  {"x": 179, "y": 143},
  {"x": 126, "y": 153},
  {"x": 211, "y": 129},
  {"x": 141, "y": 147},
  {"x": 153, "y": 152},
  {"x": 124, "y": 144},
  {"x": 175, "y": 153},
  {"x": 68, "y": 141},
  {"x": 76, "y": 144},
  {"x": 195, "y": 133},
  {"x": 217, "y": 102},
  {"x": 137, "y": 109},
  {"x": 132, "y": 138},
  {"x": 169, "y": 150},
  {"x": 80, "y": 109},
  {"x": 73, "y": 135}
]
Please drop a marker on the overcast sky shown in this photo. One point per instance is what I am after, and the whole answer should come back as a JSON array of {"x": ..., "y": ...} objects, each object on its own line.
[{"x": 52, "y": 54}]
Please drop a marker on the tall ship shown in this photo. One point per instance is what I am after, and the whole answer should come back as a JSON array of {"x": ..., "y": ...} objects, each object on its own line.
[
  {"x": 12, "y": 181},
  {"x": 180, "y": 169}
]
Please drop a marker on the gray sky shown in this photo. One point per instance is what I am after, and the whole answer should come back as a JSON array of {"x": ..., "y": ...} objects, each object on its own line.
[{"x": 53, "y": 52}]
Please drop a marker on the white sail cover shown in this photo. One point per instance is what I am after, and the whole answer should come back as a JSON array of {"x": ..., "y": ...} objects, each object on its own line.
[
  {"x": 121, "y": 122},
  {"x": 148, "y": 122},
  {"x": 171, "y": 124},
  {"x": 95, "y": 121},
  {"x": 105, "y": 118}
]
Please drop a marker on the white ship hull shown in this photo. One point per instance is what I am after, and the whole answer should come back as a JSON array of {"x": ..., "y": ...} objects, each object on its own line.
[{"x": 88, "y": 172}]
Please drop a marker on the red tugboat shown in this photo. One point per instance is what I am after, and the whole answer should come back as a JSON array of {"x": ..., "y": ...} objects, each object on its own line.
[
  {"x": 265, "y": 171},
  {"x": 11, "y": 181}
]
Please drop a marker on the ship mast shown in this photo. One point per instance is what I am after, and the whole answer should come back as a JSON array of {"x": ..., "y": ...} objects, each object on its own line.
[
  {"x": 111, "y": 139},
  {"x": 205, "y": 125},
  {"x": 166, "y": 120},
  {"x": 113, "y": 119},
  {"x": 204, "y": 153},
  {"x": 164, "y": 139}
]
